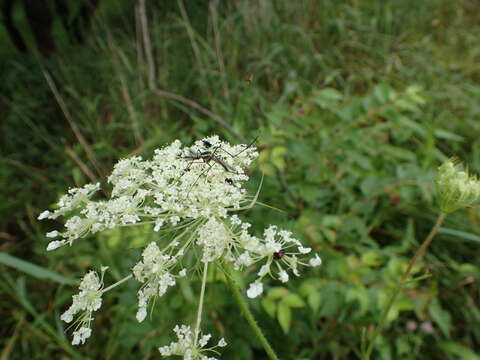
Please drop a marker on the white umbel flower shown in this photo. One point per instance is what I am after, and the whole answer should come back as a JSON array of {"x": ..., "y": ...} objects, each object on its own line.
[
  {"x": 154, "y": 271},
  {"x": 280, "y": 250},
  {"x": 187, "y": 347},
  {"x": 215, "y": 239},
  {"x": 178, "y": 185},
  {"x": 88, "y": 300}
]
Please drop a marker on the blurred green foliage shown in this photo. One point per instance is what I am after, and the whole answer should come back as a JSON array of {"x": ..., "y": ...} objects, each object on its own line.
[{"x": 355, "y": 104}]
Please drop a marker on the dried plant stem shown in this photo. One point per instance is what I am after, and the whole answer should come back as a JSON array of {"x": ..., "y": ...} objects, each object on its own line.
[
  {"x": 418, "y": 255},
  {"x": 147, "y": 45},
  {"x": 201, "y": 109}
]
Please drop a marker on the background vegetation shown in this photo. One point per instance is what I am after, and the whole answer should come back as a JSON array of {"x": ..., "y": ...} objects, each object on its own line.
[{"x": 355, "y": 104}]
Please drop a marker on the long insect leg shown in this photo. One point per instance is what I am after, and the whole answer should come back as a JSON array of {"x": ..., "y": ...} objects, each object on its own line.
[{"x": 198, "y": 178}]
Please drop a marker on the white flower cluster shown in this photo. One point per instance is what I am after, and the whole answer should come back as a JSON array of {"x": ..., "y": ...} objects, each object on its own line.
[
  {"x": 455, "y": 187},
  {"x": 187, "y": 345},
  {"x": 88, "y": 300},
  {"x": 277, "y": 247},
  {"x": 177, "y": 184},
  {"x": 192, "y": 192},
  {"x": 154, "y": 273}
]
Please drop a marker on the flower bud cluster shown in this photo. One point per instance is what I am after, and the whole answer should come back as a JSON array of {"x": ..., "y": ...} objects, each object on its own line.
[{"x": 456, "y": 188}]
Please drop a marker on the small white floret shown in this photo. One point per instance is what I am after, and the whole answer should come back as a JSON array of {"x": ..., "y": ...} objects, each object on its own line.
[
  {"x": 222, "y": 343},
  {"x": 81, "y": 335},
  {"x": 283, "y": 276},
  {"x": 255, "y": 289},
  {"x": 141, "y": 314},
  {"x": 315, "y": 261}
]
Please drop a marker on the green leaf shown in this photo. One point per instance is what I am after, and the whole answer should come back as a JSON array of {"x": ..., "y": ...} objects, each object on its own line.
[
  {"x": 34, "y": 270},
  {"x": 463, "y": 352},
  {"x": 293, "y": 300},
  {"x": 269, "y": 306},
  {"x": 284, "y": 317},
  {"x": 447, "y": 135},
  {"x": 277, "y": 293},
  {"x": 383, "y": 93},
  {"x": 460, "y": 234},
  {"x": 327, "y": 97},
  {"x": 359, "y": 294},
  {"x": 314, "y": 301},
  {"x": 277, "y": 157},
  {"x": 371, "y": 259},
  {"x": 441, "y": 317}
]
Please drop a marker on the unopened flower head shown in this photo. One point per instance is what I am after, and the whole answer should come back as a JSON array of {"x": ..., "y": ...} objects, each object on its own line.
[
  {"x": 456, "y": 188},
  {"x": 190, "y": 345},
  {"x": 88, "y": 300},
  {"x": 177, "y": 184}
]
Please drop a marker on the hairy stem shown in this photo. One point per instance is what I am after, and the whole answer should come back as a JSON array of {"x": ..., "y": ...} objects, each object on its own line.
[
  {"x": 420, "y": 252},
  {"x": 242, "y": 304}
]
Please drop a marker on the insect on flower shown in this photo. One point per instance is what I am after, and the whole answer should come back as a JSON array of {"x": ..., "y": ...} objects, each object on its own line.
[
  {"x": 277, "y": 255},
  {"x": 211, "y": 154}
]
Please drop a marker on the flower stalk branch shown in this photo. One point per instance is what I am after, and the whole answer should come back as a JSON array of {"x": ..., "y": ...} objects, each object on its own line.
[
  {"x": 200, "y": 304},
  {"x": 418, "y": 255}
]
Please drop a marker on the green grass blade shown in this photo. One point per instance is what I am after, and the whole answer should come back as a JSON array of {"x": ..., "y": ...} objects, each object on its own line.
[
  {"x": 460, "y": 234},
  {"x": 33, "y": 270}
]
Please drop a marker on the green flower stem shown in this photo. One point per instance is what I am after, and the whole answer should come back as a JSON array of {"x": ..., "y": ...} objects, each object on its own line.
[
  {"x": 200, "y": 304},
  {"x": 117, "y": 283},
  {"x": 242, "y": 304},
  {"x": 420, "y": 252}
]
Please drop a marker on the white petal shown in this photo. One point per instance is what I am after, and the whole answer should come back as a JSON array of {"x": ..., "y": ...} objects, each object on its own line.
[
  {"x": 304, "y": 250},
  {"x": 52, "y": 234},
  {"x": 52, "y": 245},
  {"x": 43, "y": 215}
]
